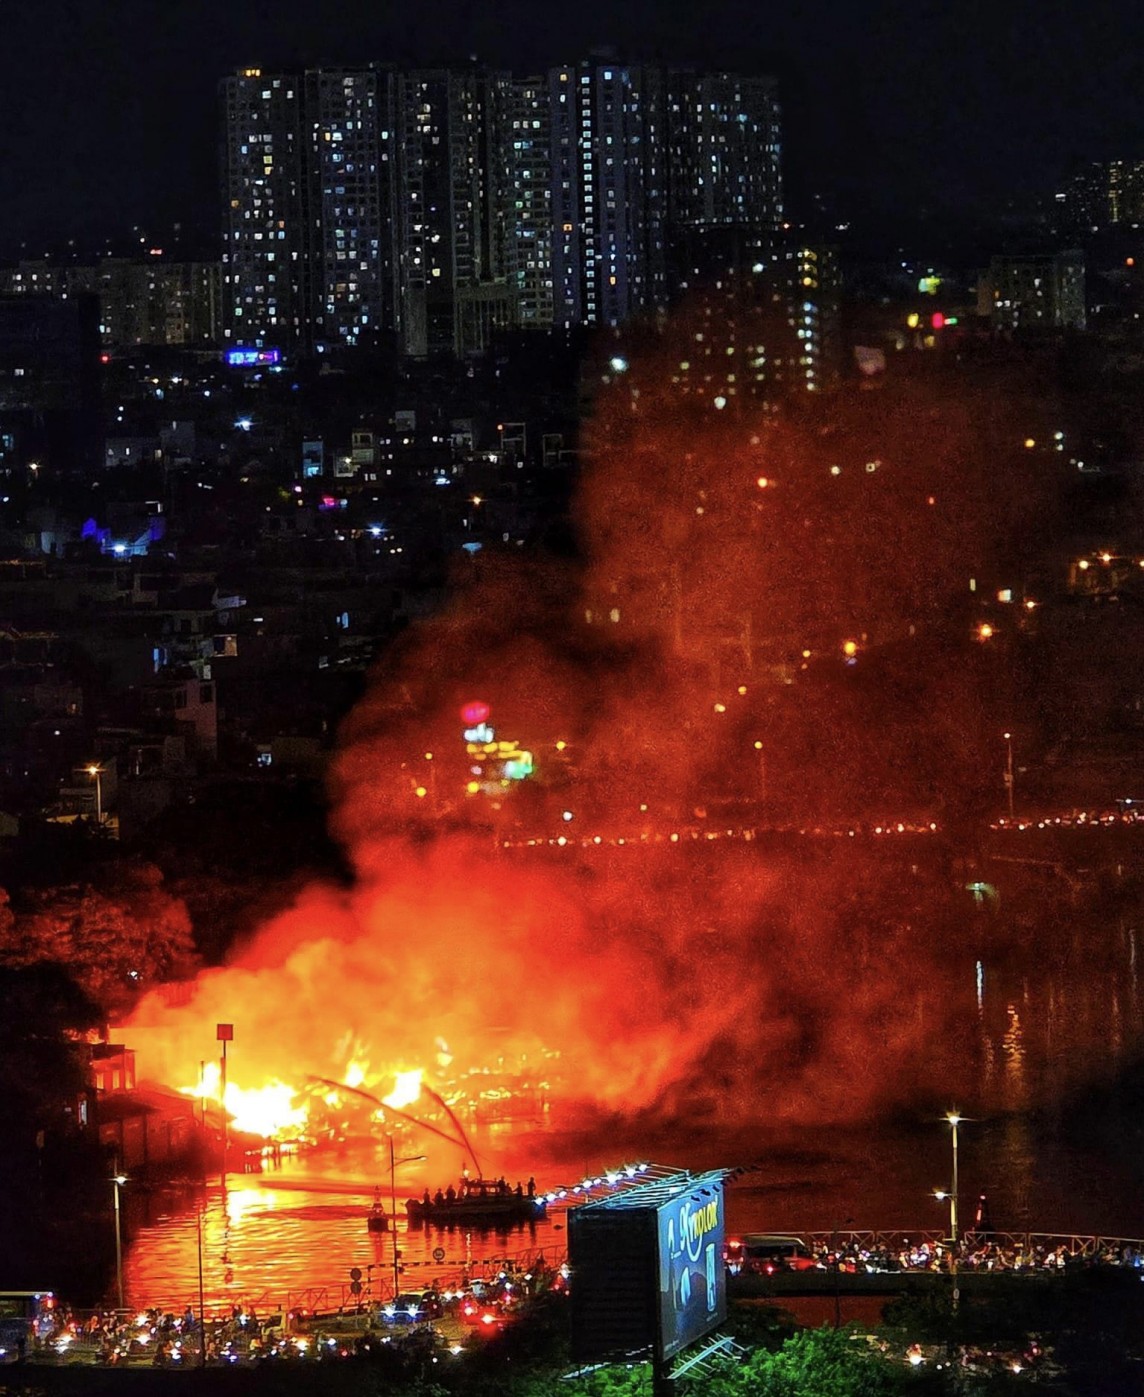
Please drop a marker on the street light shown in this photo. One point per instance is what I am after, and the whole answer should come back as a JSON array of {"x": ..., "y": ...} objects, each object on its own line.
[
  {"x": 393, "y": 1163},
  {"x": 97, "y": 771},
  {"x": 117, "y": 1182},
  {"x": 954, "y": 1119},
  {"x": 1008, "y": 736}
]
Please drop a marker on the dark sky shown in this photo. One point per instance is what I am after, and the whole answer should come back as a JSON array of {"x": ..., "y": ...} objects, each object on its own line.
[{"x": 107, "y": 110}]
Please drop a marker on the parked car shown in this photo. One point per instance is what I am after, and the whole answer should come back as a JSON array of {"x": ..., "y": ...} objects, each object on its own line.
[
  {"x": 764, "y": 1253},
  {"x": 408, "y": 1308}
]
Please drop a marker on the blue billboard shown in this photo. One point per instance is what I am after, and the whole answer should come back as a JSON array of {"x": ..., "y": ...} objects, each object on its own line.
[
  {"x": 692, "y": 1277},
  {"x": 647, "y": 1269},
  {"x": 253, "y": 358}
]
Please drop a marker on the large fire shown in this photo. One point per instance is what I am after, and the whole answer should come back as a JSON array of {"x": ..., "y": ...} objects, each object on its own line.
[
  {"x": 624, "y": 961},
  {"x": 269, "y": 1111}
]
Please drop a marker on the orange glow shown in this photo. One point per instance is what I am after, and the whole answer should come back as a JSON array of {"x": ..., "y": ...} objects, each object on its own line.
[
  {"x": 268, "y": 1111},
  {"x": 636, "y": 960},
  {"x": 985, "y": 631},
  {"x": 406, "y": 1090}
]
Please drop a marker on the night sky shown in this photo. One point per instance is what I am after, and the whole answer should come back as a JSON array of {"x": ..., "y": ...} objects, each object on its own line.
[{"x": 893, "y": 107}]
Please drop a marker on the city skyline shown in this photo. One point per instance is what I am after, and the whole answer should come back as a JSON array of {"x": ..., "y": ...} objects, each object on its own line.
[
  {"x": 434, "y": 206},
  {"x": 888, "y": 111}
]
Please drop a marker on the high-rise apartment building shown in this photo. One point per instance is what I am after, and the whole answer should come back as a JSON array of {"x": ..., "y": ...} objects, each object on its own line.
[
  {"x": 351, "y": 198},
  {"x": 442, "y": 224},
  {"x": 723, "y": 153},
  {"x": 266, "y": 254},
  {"x": 1034, "y": 293},
  {"x": 139, "y": 300},
  {"x": 608, "y": 192},
  {"x": 525, "y": 210},
  {"x": 433, "y": 206},
  {"x": 1105, "y": 193}
]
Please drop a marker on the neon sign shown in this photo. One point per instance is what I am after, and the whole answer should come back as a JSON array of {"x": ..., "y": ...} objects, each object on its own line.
[{"x": 252, "y": 358}]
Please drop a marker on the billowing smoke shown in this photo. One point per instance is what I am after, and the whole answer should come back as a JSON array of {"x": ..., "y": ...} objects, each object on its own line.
[{"x": 757, "y": 635}]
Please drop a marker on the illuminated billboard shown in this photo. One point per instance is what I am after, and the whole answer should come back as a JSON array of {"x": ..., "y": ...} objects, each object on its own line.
[
  {"x": 253, "y": 358},
  {"x": 692, "y": 1277},
  {"x": 647, "y": 1273}
]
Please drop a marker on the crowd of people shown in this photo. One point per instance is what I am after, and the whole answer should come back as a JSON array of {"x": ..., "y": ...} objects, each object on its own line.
[{"x": 975, "y": 1252}]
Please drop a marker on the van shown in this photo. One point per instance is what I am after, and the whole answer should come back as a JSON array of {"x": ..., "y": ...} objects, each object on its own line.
[{"x": 764, "y": 1253}]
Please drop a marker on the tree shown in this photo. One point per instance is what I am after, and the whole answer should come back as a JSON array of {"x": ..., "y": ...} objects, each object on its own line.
[
  {"x": 114, "y": 941},
  {"x": 821, "y": 1363},
  {"x": 42, "y": 1013}
]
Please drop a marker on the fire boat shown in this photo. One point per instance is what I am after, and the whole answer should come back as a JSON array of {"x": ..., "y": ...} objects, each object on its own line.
[
  {"x": 478, "y": 1203},
  {"x": 377, "y": 1221}
]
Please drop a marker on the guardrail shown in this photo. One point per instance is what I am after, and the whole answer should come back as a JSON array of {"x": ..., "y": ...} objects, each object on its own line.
[{"x": 1074, "y": 1245}]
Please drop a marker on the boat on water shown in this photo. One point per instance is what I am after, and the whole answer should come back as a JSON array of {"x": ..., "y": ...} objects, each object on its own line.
[
  {"x": 479, "y": 1203},
  {"x": 378, "y": 1219}
]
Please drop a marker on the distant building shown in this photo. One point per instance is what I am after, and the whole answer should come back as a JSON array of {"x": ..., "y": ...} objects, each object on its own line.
[
  {"x": 1021, "y": 294},
  {"x": 352, "y": 263},
  {"x": 444, "y": 216},
  {"x": 724, "y": 152},
  {"x": 433, "y": 208},
  {"x": 1104, "y": 194},
  {"x": 608, "y": 192},
  {"x": 265, "y": 262},
  {"x": 772, "y": 319},
  {"x": 49, "y": 385},
  {"x": 141, "y": 300}
]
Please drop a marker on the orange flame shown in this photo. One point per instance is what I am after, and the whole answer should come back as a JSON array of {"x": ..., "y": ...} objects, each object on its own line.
[{"x": 406, "y": 1089}]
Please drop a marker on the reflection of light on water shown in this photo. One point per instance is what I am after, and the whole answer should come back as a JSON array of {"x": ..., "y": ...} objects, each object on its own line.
[
  {"x": 295, "y": 1233},
  {"x": 240, "y": 1201},
  {"x": 1013, "y": 1056},
  {"x": 980, "y": 977}
]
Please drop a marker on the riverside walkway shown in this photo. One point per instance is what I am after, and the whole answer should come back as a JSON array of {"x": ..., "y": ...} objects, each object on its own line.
[{"x": 886, "y": 1262}]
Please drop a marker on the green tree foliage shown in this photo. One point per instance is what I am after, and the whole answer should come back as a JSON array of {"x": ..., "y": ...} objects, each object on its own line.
[
  {"x": 115, "y": 940},
  {"x": 811, "y": 1363}
]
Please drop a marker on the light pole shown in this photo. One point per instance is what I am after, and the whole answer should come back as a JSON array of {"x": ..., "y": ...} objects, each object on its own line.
[
  {"x": 393, "y": 1163},
  {"x": 97, "y": 771},
  {"x": 202, "y": 1307},
  {"x": 954, "y": 1119},
  {"x": 117, "y": 1182},
  {"x": 1008, "y": 775},
  {"x": 224, "y": 1034}
]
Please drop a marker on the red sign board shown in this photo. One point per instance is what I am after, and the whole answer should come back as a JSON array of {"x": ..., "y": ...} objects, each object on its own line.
[
  {"x": 474, "y": 713},
  {"x": 225, "y": 1033}
]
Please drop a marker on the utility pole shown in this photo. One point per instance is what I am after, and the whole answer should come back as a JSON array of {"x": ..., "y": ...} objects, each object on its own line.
[
  {"x": 1009, "y": 787},
  {"x": 225, "y": 1034}
]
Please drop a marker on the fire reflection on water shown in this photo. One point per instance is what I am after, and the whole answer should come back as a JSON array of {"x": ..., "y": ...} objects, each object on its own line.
[
  {"x": 299, "y": 1229},
  {"x": 293, "y": 1236}
]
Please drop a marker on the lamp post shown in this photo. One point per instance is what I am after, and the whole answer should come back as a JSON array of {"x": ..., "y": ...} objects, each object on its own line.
[
  {"x": 117, "y": 1182},
  {"x": 1008, "y": 778},
  {"x": 954, "y": 1118},
  {"x": 393, "y": 1163},
  {"x": 97, "y": 771},
  {"x": 202, "y": 1307},
  {"x": 224, "y": 1034}
]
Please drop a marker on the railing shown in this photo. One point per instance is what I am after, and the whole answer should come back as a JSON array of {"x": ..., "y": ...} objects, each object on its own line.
[
  {"x": 337, "y": 1298},
  {"x": 1015, "y": 1250}
]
